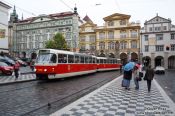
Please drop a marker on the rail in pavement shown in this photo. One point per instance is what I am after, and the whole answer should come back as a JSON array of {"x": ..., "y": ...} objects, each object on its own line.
[{"x": 113, "y": 100}]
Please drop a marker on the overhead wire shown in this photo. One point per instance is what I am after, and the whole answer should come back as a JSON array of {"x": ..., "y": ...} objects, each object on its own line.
[
  {"x": 20, "y": 8},
  {"x": 118, "y": 5},
  {"x": 66, "y": 4}
]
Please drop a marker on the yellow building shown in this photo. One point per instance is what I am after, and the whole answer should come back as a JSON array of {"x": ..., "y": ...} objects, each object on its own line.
[
  {"x": 87, "y": 36},
  {"x": 118, "y": 38}
]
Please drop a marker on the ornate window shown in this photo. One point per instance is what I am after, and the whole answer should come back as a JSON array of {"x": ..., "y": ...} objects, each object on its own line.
[
  {"x": 123, "y": 45},
  {"x": 146, "y": 37},
  {"x": 102, "y": 45},
  {"x": 92, "y": 47},
  {"x": 173, "y": 36},
  {"x": 146, "y": 48},
  {"x": 82, "y": 39},
  {"x": 102, "y": 35},
  {"x": 172, "y": 47},
  {"x": 92, "y": 38},
  {"x": 159, "y": 36},
  {"x": 159, "y": 47},
  {"x": 111, "y": 45},
  {"x": 133, "y": 33},
  {"x": 123, "y": 34},
  {"x": 110, "y": 23},
  {"x": 133, "y": 44},
  {"x": 111, "y": 35},
  {"x": 123, "y": 22}
]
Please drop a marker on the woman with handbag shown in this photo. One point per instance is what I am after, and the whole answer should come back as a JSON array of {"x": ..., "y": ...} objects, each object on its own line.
[{"x": 136, "y": 76}]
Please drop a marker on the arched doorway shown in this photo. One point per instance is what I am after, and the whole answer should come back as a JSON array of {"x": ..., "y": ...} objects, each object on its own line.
[
  {"x": 111, "y": 55},
  {"x": 134, "y": 57},
  {"x": 146, "y": 60},
  {"x": 102, "y": 54},
  {"x": 171, "y": 62},
  {"x": 159, "y": 61},
  {"x": 123, "y": 57},
  {"x": 33, "y": 56}
]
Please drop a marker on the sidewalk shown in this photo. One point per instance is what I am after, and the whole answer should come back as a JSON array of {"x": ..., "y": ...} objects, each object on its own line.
[
  {"x": 26, "y": 74},
  {"x": 21, "y": 78},
  {"x": 113, "y": 100}
]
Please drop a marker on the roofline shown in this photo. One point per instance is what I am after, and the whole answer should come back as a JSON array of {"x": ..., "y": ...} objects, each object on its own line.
[
  {"x": 5, "y": 5},
  {"x": 155, "y": 17}
]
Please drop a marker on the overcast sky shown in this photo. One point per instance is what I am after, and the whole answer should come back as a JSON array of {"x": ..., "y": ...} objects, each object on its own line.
[{"x": 98, "y": 9}]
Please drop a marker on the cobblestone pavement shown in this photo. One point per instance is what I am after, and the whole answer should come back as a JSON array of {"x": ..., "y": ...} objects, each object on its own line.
[
  {"x": 167, "y": 82},
  {"x": 11, "y": 79},
  {"x": 113, "y": 100}
]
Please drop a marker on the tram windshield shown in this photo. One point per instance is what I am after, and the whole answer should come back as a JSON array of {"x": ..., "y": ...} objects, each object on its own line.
[{"x": 46, "y": 58}]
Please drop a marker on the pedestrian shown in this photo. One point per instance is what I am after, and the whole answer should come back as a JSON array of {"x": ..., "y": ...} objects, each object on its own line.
[
  {"x": 32, "y": 63},
  {"x": 121, "y": 68},
  {"x": 16, "y": 69},
  {"x": 149, "y": 75},
  {"x": 128, "y": 77},
  {"x": 136, "y": 76}
]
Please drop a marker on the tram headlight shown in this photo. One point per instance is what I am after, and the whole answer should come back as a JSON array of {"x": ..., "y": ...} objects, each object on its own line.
[
  {"x": 34, "y": 69},
  {"x": 45, "y": 70}
]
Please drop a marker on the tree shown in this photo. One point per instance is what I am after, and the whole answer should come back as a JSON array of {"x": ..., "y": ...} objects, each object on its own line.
[{"x": 57, "y": 42}]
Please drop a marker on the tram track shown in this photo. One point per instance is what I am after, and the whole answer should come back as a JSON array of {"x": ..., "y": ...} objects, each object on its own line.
[
  {"x": 69, "y": 98},
  {"x": 32, "y": 98}
]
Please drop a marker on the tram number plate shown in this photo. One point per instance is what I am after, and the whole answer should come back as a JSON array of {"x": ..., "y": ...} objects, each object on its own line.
[{"x": 51, "y": 76}]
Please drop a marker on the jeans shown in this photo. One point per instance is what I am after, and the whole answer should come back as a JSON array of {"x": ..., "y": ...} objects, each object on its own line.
[{"x": 136, "y": 83}]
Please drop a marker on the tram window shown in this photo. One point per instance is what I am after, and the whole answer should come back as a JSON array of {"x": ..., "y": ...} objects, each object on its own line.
[
  {"x": 53, "y": 58},
  {"x": 101, "y": 61},
  {"x": 115, "y": 61},
  {"x": 111, "y": 61},
  {"x": 93, "y": 60},
  {"x": 90, "y": 59},
  {"x": 62, "y": 58},
  {"x": 86, "y": 59},
  {"x": 82, "y": 59},
  {"x": 98, "y": 61},
  {"x": 104, "y": 61},
  {"x": 77, "y": 60},
  {"x": 70, "y": 59}
]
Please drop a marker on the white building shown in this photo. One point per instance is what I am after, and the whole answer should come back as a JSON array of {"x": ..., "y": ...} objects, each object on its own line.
[
  {"x": 4, "y": 27},
  {"x": 158, "y": 43},
  {"x": 31, "y": 34}
]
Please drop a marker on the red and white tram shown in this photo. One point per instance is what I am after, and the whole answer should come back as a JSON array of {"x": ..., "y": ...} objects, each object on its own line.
[{"x": 51, "y": 63}]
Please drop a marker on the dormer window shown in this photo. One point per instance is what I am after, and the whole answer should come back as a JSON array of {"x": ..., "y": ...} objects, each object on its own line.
[
  {"x": 123, "y": 22},
  {"x": 110, "y": 23},
  {"x": 157, "y": 19}
]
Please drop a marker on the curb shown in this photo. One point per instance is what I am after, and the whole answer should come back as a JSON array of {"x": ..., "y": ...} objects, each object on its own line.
[{"x": 14, "y": 82}]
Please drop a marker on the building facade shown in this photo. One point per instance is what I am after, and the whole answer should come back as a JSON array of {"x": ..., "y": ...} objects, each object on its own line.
[
  {"x": 118, "y": 38},
  {"x": 4, "y": 9},
  {"x": 87, "y": 36},
  {"x": 158, "y": 43},
  {"x": 31, "y": 34}
]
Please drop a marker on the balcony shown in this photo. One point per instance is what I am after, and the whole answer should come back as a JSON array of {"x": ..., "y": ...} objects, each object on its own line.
[{"x": 134, "y": 24}]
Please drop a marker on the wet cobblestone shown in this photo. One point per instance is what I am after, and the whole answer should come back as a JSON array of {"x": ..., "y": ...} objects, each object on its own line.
[
  {"x": 167, "y": 82},
  {"x": 32, "y": 98}
]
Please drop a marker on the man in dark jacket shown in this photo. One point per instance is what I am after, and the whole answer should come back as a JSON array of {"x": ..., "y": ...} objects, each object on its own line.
[{"x": 149, "y": 75}]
